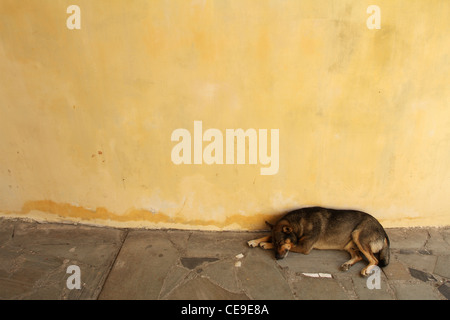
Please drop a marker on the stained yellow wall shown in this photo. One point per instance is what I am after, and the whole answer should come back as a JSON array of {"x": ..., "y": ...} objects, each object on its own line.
[{"x": 86, "y": 116}]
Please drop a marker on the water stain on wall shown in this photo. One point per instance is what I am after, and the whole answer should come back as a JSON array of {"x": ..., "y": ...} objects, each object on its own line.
[{"x": 142, "y": 216}]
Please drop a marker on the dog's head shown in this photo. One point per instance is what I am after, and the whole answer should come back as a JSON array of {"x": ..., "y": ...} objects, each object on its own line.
[{"x": 283, "y": 238}]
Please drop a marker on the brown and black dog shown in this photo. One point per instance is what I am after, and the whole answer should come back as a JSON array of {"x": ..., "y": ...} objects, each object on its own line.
[{"x": 305, "y": 229}]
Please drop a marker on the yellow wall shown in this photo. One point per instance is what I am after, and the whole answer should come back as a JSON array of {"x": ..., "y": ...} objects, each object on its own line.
[{"x": 86, "y": 116}]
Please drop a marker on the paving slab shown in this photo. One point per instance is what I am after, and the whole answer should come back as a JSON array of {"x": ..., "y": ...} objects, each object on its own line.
[
  {"x": 407, "y": 238},
  {"x": 439, "y": 241},
  {"x": 224, "y": 273},
  {"x": 6, "y": 230},
  {"x": 445, "y": 232},
  {"x": 415, "y": 291},
  {"x": 35, "y": 258},
  {"x": 308, "y": 288},
  {"x": 214, "y": 245},
  {"x": 364, "y": 292},
  {"x": 396, "y": 270},
  {"x": 200, "y": 288},
  {"x": 262, "y": 278},
  {"x": 442, "y": 267},
  {"x": 141, "y": 266},
  {"x": 325, "y": 261},
  {"x": 175, "y": 276},
  {"x": 424, "y": 262}
]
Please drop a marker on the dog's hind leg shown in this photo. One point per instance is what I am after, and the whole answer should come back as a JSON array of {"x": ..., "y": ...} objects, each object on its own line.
[
  {"x": 372, "y": 262},
  {"x": 257, "y": 242},
  {"x": 354, "y": 255}
]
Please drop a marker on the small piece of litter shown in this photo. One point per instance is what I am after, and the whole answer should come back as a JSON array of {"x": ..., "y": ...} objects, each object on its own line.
[
  {"x": 318, "y": 275},
  {"x": 238, "y": 264},
  {"x": 311, "y": 275},
  {"x": 325, "y": 275},
  {"x": 239, "y": 256}
]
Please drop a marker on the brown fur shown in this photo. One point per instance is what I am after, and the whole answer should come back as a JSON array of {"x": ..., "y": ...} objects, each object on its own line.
[{"x": 319, "y": 228}]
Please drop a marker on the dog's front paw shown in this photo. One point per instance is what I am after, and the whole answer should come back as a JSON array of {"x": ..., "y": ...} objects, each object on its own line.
[
  {"x": 252, "y": 243},
  {"x": 266, "y": 245}
]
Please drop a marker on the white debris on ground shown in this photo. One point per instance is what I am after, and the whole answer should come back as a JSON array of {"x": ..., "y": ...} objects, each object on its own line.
[
  {"x": 318, "y": 275},
  {"x": 238, "y": 263}
]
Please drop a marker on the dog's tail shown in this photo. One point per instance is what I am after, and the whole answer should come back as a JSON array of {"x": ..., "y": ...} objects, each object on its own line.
[{"x": 385, "y": 253}]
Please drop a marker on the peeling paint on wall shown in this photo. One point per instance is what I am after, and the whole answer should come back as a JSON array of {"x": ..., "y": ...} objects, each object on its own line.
[{"x": 135, "y": 217}]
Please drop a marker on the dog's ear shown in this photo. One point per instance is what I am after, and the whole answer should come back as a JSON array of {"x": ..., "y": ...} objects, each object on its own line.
[
  {"x": 287, "y": 229},
  {"x": 269, "y": 225}
]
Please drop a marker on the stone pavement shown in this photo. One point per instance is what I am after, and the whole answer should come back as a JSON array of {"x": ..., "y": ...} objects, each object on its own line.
[{"x": 173, "y": 264}]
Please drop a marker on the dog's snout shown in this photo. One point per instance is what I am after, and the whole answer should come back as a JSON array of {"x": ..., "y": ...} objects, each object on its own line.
[
  {"x": 282, "y": 251},
  {"x": 281, "y": 254}
]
